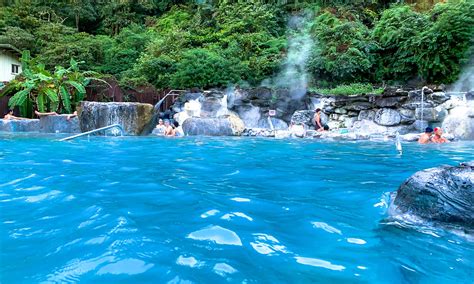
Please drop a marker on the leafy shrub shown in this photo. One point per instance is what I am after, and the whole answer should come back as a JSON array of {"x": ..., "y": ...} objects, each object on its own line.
[
  {"x": 343, "y": 50},
  {"x": 444, "y": 45},
  {"x": 396, "y": 33},
  {"x": 352, "y": 89}
]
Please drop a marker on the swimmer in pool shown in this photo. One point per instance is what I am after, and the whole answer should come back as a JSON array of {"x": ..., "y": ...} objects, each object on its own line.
[
  {"x": 438, "y": 136},
  {"x": 425, "y": 138}
]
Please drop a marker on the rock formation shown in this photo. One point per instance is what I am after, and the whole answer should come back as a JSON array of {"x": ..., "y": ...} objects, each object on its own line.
[{"x": 442, "y": 194}]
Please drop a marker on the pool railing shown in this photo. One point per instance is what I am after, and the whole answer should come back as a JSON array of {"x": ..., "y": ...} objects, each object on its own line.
[{"x": 94, "y": 131}]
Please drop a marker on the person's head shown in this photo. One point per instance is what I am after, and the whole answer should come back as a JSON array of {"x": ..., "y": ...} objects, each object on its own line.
[
  {"x": 318, "y": 110},
  {"x": 326, "y": 127},
  {"x": 429, "y": 130},
  {"x": 160, "y": 121},
  {"x": 175, "y": 123},
  {"x": 167, "y": 122},
  {"x": 10, "y": 111},
  {"x": 438, "y": 131}
]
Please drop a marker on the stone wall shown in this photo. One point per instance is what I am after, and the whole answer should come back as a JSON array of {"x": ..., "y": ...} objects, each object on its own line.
[{"x": 47, "y": 124}]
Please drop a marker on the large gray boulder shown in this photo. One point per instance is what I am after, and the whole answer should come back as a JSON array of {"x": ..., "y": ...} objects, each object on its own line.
[
  {"x": 368, "y": 127},
  {"x": 432, "y": 114},
  {"x": 306, "y": 117},
  {"x": 442, "y": 194},
  {"x": 387, "y": 117},
  {"x": 460, "y": 122},
  {"x": 132, "y": 116},
  {"x": 230, "y": 125}
]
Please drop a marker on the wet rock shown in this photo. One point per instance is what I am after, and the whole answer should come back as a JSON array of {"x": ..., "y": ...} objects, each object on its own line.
[
  {"x": 132, "y": 116},
  {"x": 59, "y": 124},
  {"x": 384, "y": 101},
  {"x": 358, "y": 106},
  {"x": 439, "y": 97},
  {"x": 340, "y": 110},
  {"x": 368, "y": 127},
  {"x": 436, "y": 114},
  {"x": 27, "y": 125},
  {"x": 410, "y": 137},
  {"x": 387, "y": 117},
  {"x": 222, "y": 126},
  {"x": 278, "y": 124},
  {"x": 366, "y": 114},
  {"x": 444, "y": 194},
  {"x": 258, "y": 132},
  {"x": 303, "y": 116},
  {"x": 213, "y": 103},
  {"x": 306, "y": 117},
  {"x": 469, "y": 96},
  {"x": 460, "y": 122}
]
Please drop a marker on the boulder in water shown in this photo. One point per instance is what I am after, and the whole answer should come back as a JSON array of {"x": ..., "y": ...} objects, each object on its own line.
[
  {"x": 132, "y": 116},
  {"x": 230, "y": 125},
  {"x": 442, "y": 194}
]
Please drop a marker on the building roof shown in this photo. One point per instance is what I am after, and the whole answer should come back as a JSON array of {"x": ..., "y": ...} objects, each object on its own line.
[{"x": 6, "y": 46}]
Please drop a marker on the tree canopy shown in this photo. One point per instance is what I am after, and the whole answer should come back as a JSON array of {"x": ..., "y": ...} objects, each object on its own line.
[{"x": 214, "y": 43}]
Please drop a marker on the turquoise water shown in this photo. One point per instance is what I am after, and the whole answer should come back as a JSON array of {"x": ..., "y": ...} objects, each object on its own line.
[{"x": 209, "y": 210}]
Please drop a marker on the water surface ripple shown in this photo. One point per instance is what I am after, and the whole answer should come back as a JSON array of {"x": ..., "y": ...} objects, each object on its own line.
[{"x": 218, "y": 210}]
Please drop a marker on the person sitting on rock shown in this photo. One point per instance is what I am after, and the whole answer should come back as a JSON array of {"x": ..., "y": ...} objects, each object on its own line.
[
  {"x": 9, "y": 116},
  {"x": 425, "y": 138},
  {"x": 438, "y": 136},
  {"x": 169, "y": 131},
  {"x": 40, "y": 114},
  {"x": 318, "y": 125},
  {"x": 160, "y": 127},
  {"x": 72, "y": 115}
]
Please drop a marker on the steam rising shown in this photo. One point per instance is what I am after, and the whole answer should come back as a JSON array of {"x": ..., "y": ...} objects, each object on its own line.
[
  {"x": 294, "y": 76},
  {"x": 465, "y": 83}
]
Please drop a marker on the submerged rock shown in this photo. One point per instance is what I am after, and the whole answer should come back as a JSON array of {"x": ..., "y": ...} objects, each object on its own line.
[
  {"x": 442, "y": 194},
  {"x": 230, "y": 125},
  {"x": 132, "y": 116}
]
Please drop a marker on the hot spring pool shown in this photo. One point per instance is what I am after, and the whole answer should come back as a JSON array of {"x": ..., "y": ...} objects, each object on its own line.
[{"x": 210, "y": 210}]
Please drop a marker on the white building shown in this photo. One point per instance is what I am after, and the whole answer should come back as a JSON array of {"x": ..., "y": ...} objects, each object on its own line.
[{"x": 10, "y": 65}]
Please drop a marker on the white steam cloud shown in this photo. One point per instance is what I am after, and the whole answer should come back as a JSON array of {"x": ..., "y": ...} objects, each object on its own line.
[
  {"x": 293, "y": 75},
  {"x": 465, "y": 83}
]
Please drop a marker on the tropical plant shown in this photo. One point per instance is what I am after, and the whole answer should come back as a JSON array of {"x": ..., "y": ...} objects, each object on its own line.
[{"x": 47, "y": 91}]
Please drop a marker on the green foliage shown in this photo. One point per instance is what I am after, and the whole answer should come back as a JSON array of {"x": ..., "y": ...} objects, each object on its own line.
[
  {"x": 204, "y": 69},
  {"x": 44, "y": 90},
  {"x": 397, "y": 32},
  {"x": 187, "y": 43},
  {"x": 343, "y": 51},
  {"x": 443, "y": 46},
  {"x": 351, "y": 89}
]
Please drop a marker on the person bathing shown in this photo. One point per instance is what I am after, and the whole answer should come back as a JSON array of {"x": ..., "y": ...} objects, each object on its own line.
[
  {"x": 438, "y": 136},
  {"x": 425, "y": 138},
  {"x": 9, "y": 116}
]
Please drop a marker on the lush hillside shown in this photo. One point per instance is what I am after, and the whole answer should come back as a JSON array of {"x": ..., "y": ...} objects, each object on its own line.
[{"x": 184, "y": 44}]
